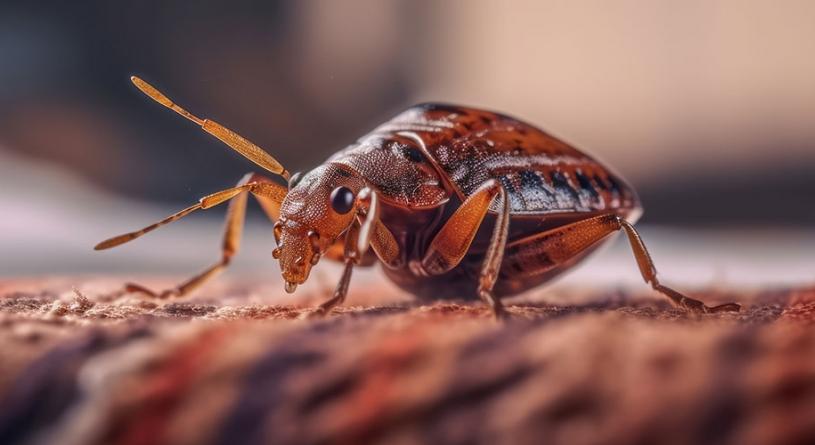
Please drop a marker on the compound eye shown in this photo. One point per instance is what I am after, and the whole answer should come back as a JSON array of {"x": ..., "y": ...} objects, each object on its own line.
[
  {"x": 295, "y": 179},
  {"x": 342, "y": 200}
]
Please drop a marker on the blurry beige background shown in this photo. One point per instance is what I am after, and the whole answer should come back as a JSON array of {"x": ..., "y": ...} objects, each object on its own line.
[{"x": 706, "y": 106}]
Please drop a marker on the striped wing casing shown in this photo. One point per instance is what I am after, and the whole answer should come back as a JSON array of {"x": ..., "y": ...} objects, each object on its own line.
[{"x": 541, "y": 174}]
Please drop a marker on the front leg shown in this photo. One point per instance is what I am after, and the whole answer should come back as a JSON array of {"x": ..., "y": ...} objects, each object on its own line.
[
  {"x": 339, "y": 293},
  {"x": 366, "y": 231},
  {"x": 351, "y": 258},
  {"x": 453, "y": 241}
]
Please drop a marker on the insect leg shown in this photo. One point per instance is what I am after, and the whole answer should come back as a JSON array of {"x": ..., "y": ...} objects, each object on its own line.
[
  {"x": 379, "y": 237},
  {"x": 231, "y": 243},
  {"x": 261, "y": 187},
  {"x": 649, "y": 274},
  {"x": 385, "y": 246},
  {"x": 558, "y": 247},
  {"x": 368, "y": 216},
  {"x": 453, "y": 241},
  {"x": 366, "y": 232},
  {"x": 372, "y": 233},
  {"x": 352, "y": 257},
  {"x": 493, "y": 259}
]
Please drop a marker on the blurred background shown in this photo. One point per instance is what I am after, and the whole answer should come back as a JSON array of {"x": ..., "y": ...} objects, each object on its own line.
[{"x": 707, "y": 107}]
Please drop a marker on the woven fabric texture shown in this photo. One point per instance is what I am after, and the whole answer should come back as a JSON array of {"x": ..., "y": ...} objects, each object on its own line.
[{"x": 85, "y": 368}]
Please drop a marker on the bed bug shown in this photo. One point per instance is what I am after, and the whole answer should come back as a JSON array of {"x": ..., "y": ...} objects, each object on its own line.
[{"x": 455, "y": 202}]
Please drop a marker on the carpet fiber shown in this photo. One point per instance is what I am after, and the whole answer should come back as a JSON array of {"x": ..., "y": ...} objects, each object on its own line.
[{"x": 93, "y": 368}]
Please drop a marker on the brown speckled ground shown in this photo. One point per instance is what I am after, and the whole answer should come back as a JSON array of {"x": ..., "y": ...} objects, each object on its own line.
[{"x": 85, "y": 368}]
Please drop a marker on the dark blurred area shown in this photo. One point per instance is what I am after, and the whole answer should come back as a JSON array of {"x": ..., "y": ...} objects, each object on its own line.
[
  {"x": 707, "y": 107},
  {"x": 271, "y": 70}
]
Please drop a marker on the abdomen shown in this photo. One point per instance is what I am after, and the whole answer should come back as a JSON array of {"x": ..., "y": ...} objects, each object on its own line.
[{"x": 548, "y": 182}]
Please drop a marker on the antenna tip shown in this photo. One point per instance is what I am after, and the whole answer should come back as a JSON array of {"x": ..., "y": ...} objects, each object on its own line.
[
  {"x": 115, "y": 241},
  {"x": 140, "y": 84},
  {"x": 152, "y": 92}
]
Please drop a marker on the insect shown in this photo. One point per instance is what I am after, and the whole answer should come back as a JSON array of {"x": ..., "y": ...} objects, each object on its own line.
[{"x": 455, "y": 202}]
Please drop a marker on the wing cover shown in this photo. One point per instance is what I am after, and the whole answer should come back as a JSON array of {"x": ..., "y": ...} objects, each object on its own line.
[{"x": 541, "y": 173}]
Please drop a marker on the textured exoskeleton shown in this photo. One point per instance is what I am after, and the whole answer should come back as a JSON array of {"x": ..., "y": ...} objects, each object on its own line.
[{"x": 455, "y": 202}]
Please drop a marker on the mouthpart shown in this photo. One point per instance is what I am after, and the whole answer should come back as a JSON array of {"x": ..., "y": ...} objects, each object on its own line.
[{"x": 290, "y": 287}]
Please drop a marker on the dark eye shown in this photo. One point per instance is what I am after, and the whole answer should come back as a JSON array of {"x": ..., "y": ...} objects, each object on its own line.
[
  {"x": 294, "y": 179},
  {"x": 342, "y": 200}
]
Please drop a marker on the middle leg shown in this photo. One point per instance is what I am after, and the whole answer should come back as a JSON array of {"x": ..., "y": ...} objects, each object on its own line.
[{"x": 453, "y": 241}]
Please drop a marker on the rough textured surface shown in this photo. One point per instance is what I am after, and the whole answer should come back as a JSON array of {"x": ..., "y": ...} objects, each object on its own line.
[{"x": 90, "y": 367}]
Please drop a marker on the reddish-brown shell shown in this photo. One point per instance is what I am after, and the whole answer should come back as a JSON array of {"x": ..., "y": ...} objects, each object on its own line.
[
  {"x": 464, "y": 147},
  {"x": 433, "y": 154}
]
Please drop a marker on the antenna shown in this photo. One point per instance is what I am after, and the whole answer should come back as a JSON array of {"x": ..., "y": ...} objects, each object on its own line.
[{"x": 227, "y": 136}]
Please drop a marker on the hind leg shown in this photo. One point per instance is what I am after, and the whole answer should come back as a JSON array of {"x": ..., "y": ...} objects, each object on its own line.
[{"x": 559, "y": 247}]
